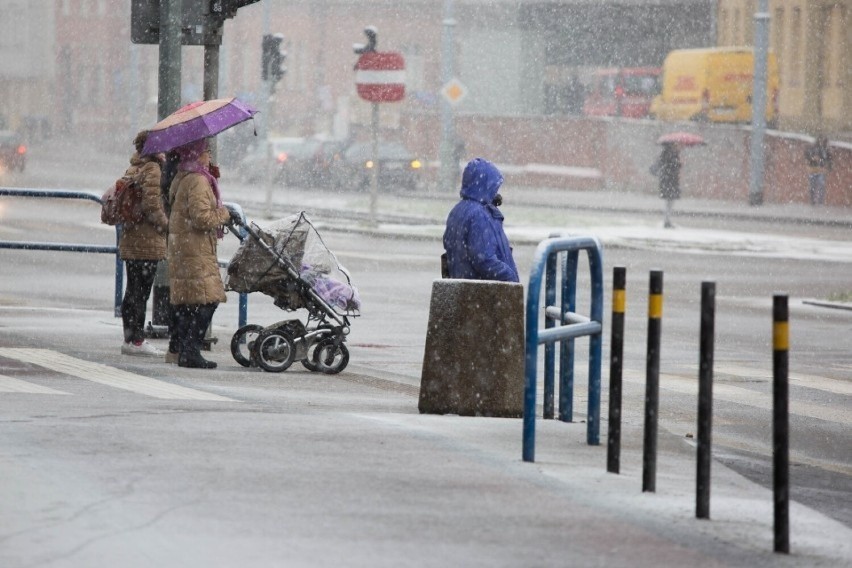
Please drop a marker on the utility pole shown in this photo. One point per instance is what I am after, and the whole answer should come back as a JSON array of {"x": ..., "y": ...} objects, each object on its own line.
[
  {"x": 168, "y": 101},
  {"x": 448, "y": 132},
  {"x": 758, "y": 103},
  {"x": 211, "y": 74},
  {"x": 265, "y": 105}
]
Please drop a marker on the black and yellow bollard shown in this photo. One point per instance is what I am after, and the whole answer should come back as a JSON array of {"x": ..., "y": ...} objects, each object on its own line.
[
  {"x": 652, "y": 381},
  {"x": 616, "y": 363},
  {"x": 705, "y": 399},
  {"x": 780, "y": 422}
]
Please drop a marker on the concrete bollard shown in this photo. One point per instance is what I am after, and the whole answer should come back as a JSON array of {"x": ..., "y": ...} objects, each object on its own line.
[{"x": 474, "y": 359}]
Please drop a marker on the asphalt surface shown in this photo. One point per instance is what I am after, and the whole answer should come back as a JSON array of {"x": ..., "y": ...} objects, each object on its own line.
[{"x": 342, "y": 470}]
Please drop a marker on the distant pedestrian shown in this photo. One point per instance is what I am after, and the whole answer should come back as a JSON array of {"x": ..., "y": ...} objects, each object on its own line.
[
  {"x": 667, "y": 169},
  {"x": 818, "y": 157},
  {"x": 142, "y": 246},
  {"x": 575, "y": 95},
  {"x": 476, "y": 245},
  {"x": 195, "y": 225}
]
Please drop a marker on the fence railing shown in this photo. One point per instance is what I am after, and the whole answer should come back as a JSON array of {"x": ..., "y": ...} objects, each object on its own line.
[
  {"x": 93, "y": 248},
  {"x": 563, "y": 325}
]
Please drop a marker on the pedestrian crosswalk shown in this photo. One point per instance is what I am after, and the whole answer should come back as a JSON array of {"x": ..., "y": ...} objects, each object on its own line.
[
  {"x": 753, "y": 398},
  {"x": 95, "y": 372},
  {"x": 684, "y": 380},
  {"x": 11, "y": 384}
]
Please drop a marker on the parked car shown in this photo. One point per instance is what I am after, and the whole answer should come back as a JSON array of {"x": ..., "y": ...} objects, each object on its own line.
[
  {"x": 624, "y": 92},
  {"x": 397, "y": 167},
  {"x": 282, "y": 158},
  {"x": 13, "y": 151}
]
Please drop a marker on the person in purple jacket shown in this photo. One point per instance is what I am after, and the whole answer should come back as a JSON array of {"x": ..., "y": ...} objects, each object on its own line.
[{"x": 474, "y": 240}]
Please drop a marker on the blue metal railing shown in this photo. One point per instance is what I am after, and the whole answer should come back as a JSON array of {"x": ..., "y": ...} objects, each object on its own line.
[
  {"x": 69, "y": 194},
  {"x": 570, "y": 326},
  {"x": 119, "y": 264}
]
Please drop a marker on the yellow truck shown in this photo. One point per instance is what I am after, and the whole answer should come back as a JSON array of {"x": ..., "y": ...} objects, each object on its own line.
[{"x": 713, "y": 85}]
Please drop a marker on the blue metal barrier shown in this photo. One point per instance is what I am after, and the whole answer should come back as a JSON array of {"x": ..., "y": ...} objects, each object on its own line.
[
  {"x": 570, "y": 326},
  {"x": 119, "y": 264},
  {"x": 69, "y": 194}
]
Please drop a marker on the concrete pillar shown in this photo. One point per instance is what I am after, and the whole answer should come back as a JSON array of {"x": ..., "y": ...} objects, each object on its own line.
[{"x": 474, "y": 359}]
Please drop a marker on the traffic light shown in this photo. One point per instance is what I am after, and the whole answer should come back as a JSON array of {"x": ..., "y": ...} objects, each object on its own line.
[
  {"x": 272, "y": 58},
  {"x": 228, "y": 8}
]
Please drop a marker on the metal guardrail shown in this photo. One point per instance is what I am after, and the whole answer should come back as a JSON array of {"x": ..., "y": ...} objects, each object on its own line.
[
  {"x": 571, "y": 326},
  {"x": 104, "y": 249}
]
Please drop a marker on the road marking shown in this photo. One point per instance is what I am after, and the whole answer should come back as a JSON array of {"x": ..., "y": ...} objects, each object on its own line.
[
  {"x": 9, "y": 384},
  {"x": 836, "y": 386},
  {"x": 748, "y": 397},
  {"x": 109, "y": 376}
]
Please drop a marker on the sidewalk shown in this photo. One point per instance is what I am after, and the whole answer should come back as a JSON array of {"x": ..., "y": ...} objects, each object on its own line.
[
  {"x": 362, "y": 479},
  {"x": 625, "y": 202}
]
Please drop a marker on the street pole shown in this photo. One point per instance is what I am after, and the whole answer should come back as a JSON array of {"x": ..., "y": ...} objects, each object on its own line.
[
  {"x": 758, "y": 103},
  {"x": 168, "y": 101},
  {"x": 374, "y": 171},
  {"x": 448, "y": 134},
  {"x": 264, "y": 117},
  {"x": 211, "y": 82}
]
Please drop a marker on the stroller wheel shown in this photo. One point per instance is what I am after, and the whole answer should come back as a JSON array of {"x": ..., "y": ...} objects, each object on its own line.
[
  {"x": 242, "y": 341},
  {"x": 274, "y": 350},
  {"x": 308, "y": 361},
  {"x": 330, "y": 358}
]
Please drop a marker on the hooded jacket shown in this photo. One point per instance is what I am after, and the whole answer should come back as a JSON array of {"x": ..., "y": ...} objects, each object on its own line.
[
  {"x": 476, "y": 244},
  {"x": 193, "y": 264},
  {"x": 146, "y": 240}
]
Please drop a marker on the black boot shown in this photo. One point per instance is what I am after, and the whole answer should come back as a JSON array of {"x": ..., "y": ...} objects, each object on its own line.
[
  {"x": 198, "y": 319},
  {"x": 195, "y": 361}
]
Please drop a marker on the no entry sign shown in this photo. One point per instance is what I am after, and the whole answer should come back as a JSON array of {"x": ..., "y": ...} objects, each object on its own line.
[{"x": 380, "y": 77}]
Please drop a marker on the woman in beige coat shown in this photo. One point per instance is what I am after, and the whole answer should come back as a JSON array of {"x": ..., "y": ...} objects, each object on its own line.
[
  {"x": 195, "y": 225},
  {"x": 142, "y": 245}
]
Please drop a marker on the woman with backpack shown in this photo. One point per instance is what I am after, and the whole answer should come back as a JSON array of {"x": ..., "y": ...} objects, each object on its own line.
[{"x": 142, "y": 245}]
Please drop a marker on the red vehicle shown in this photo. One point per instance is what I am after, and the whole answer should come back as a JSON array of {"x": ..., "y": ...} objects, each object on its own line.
[{"x": 622, "y": 92}]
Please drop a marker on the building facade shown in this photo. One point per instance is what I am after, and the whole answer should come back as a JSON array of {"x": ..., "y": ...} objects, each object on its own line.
[
  {"x": 812, "y": 40},
  {"x": 27, "y": 66}
]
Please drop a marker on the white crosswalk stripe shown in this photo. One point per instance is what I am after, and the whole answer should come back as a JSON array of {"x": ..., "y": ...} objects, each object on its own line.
[
  {"x": 109, "y": 376},
  {"x": 796, "y": 379},
  {"x": 10, "y": 384},
  {"x": 755, "y": 399}
]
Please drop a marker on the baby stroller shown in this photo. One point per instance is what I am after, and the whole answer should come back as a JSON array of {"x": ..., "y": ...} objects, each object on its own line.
[{"x": 288, "y": 261}]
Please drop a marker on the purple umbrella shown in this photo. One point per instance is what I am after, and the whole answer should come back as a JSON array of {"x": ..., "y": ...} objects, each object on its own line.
[{"x": 196, "y": 121}]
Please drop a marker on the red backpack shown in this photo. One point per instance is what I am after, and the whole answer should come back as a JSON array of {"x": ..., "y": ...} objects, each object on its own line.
[{"x": 122, "y": 202}]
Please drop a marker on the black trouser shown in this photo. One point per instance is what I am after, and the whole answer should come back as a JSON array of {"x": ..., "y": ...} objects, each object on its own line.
[
  {"x": 191, "y": 323},
  {"x": 140, "y": 278}
]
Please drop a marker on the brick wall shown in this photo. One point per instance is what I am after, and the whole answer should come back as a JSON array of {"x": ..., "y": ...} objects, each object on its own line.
[{"x": 623, "y": 150}]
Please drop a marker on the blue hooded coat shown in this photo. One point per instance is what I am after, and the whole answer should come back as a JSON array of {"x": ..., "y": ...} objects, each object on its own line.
[{"x": 477, "y": 247}]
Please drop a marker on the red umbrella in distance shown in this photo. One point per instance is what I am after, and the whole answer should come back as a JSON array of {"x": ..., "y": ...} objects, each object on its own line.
[{"x": 681, "y": 138}]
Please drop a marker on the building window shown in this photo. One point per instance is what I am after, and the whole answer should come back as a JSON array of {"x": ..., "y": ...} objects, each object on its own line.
[
  {"x": 778, "y": 39},
  {"x": 835, "y": 23},
  {"x": 735, "y": 33},
  {"x": 796, "y": 47}
]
